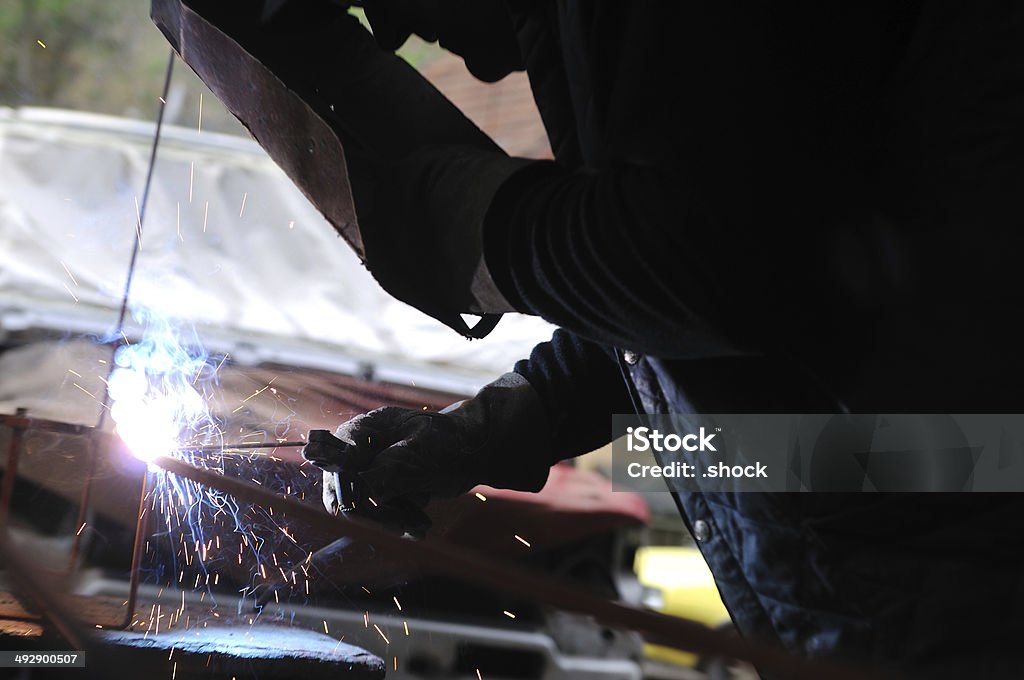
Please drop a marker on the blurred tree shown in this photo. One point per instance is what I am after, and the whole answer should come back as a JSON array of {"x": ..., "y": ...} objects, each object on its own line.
[
  {"x": 100, "y": 55},
  {"x": 107, "y": 56}
]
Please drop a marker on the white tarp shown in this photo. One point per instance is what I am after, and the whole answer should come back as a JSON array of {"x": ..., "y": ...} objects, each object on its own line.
[{"x": 228, "y": 245}]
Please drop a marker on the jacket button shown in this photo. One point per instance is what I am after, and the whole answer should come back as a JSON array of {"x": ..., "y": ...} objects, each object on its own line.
[
  {"x": 630, "y": 357},
  {"x": 701, "y": 531}
]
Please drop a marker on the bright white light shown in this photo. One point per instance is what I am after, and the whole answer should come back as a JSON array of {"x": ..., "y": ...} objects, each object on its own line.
[{"x": 154, "y": 401}]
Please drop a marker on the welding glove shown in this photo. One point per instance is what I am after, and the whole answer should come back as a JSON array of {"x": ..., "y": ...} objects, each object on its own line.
[
  {"x": 399, "y": 456},
  {"x": 422, "y": 176}
]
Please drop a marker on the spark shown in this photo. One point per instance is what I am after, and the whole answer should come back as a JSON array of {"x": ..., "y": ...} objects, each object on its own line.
[
  {"x": 386, "y": 640},
  {"x": 254, "y": 394},
  {"x": 405, "y": 624},
  {"x": 508, "y": 613},
  {"x": 291, "y": 225},
  {"x": 480, "y": 496},
  {"x": 84, "y": 390},
  {"x": 397, "y": 603},
  {"x": 73, "y": 372},
  {"x": 206, "y": 215},
  {"x": 41, "y": 44},
  {"x": 522, "y": 540},
  {"x": 199, "y": 130},
  {"x": 73, "y": 280},
  {"x": 242, "y": 209},
  {"x": 191, "y": 176},
  {"x": 178, "y": 223},
  {"x": 138, "y": 223},
  {"x": 478, "y": 676},
  {"x": 326, "y": 632},
  {"x": 80, "y": 529}
]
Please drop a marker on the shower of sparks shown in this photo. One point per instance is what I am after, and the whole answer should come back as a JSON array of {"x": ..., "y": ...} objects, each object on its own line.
[{"x": 159, "y": 391}]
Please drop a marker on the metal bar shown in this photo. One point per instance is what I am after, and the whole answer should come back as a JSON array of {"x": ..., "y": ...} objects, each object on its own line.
[
  {"x": 440, "y": 557},
  {"x": 11, "y": 471},
  {"x": 239, "y": 447},
  {"x": 83, "y": 507},
  {"x": 140, "y": 540}
]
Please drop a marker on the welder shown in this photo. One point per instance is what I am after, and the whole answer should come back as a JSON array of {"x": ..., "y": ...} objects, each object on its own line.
[{"x": 753, "y": 208}]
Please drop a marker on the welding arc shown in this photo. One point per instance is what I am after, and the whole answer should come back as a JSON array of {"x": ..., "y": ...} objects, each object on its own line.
[{"x": 440, "y": 557}]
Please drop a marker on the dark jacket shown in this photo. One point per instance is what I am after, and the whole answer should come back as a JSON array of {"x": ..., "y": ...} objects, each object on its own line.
[{"x": 789, "y": 208}]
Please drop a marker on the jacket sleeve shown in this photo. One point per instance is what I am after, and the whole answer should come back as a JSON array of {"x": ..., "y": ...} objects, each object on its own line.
[
  {"x": 626, "y": 257},
  {"x": 580, "y": 385}
]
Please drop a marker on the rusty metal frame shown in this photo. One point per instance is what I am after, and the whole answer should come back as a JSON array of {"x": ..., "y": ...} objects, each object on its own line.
[{"x": 21, "y": 423}]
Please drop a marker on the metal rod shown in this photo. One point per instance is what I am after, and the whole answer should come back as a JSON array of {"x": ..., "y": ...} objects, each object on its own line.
[
  {"x": 239, "y": 447},
  {"x": 11, "y": 471},
  {"x": 140, "y": 539},
  {"x": 441, "y": 557},
  {"x": 83, "y": 506}
]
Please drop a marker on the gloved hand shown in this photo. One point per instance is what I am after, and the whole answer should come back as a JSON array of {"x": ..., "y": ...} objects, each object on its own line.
[{"x": 401, "y": 457}]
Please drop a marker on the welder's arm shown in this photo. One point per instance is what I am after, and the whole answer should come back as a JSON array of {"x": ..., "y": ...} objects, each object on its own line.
[
  {"x": 629, "y": 257},
  {"x": 554, "y": 406},
  {"x": 387, "y": 464}
]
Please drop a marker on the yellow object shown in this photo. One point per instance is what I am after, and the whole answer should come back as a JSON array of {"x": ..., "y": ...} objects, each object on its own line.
[{"x": 682, "y": 579}]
